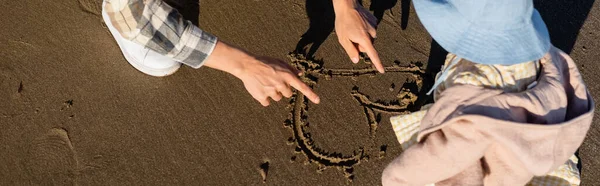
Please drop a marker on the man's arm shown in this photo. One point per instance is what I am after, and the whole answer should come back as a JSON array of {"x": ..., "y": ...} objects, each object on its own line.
[
  {"x": 263, "y": 77},
  {"x": 157, "y": 26}
]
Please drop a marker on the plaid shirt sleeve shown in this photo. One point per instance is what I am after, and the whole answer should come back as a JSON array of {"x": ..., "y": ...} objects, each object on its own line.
[{"x": 157, "y": 26}]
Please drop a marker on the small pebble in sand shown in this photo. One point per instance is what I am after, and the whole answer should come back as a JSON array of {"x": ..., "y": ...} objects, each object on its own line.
[
  {"x": 321, "y": 168},
  {"x": 382, "y": 151},
  {"x": 291, "y": 141},
  {"x": 20, "y": 87},
  {"x": 69, "y": 103},
  {"x": 293, "y": 159}
]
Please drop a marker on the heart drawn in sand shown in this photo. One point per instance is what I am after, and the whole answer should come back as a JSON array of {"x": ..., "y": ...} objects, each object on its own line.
[{"x": 299, "y": 117}]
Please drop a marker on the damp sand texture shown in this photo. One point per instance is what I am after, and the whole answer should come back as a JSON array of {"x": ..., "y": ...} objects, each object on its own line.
[{"x": 74, "y": 112}]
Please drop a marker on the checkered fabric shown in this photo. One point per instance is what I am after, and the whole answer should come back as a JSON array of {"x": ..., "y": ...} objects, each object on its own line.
[
  {"x": 566, "y": 175},
  {"x": 512, "y": 78},
  {"x": 157, "y": 26}
]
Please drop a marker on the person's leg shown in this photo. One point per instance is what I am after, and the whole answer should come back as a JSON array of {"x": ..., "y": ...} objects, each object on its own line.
[{"x": 143, "y": 59}]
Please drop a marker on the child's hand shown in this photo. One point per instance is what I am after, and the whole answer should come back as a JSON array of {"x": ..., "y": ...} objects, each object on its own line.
[{"x": 355, "y": 28}]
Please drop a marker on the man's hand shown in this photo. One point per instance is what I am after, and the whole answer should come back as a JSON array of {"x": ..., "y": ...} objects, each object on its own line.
[
  {"x": 355, "y": 29},
  {"x": 263, "y": 77},
  {"x": 268, "y": 77}
]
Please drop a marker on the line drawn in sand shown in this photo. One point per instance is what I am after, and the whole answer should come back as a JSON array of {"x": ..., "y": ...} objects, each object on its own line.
[{"x": 298, "y": 119}]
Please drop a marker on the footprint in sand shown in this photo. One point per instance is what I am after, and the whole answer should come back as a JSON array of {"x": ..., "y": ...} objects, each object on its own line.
[
  {"x": 52, "y": 159},
  {"x": 264, "y": 171},
  {"x": 91, "y": 6},
  {"x": 299, "y": 119}
]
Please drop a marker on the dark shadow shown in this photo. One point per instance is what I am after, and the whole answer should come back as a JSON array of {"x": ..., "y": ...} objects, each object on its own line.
[
  {"x": 380, "y": 6},
  {"x": 579, "y": 163},
  {"x": 564, "y": 19},
  {"x": 437, "y": 57},
  {"x": 189, "y": 9},
  {"x": 514, "y": 114},
  {"x": 322, "y": 18},
  {"x": 405, "y": 13}
]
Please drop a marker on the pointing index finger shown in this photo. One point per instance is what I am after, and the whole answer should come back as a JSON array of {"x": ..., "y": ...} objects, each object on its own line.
[
  {"x": 372, "y": 53},
  {"x": 300, "y": 86}
]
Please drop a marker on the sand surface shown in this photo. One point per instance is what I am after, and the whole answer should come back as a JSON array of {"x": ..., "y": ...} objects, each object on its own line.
[{"x": 74, "y": 112}]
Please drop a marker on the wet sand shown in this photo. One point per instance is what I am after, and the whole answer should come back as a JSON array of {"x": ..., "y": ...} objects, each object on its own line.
[{"x": 74, "y": 112}]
